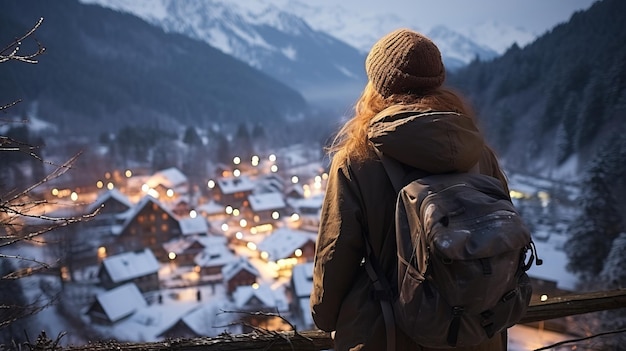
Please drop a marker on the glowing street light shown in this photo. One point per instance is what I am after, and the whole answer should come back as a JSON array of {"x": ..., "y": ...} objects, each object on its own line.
[
  {"x": 294, "y": 179},
  {"x": 211, "y": 184},
  {"x": 272, "y": 158},
  {"x": 128, "y": 173},
  {"x": 236, "y": 160}
]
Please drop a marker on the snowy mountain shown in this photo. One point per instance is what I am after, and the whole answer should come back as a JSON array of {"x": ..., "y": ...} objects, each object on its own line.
[
  {"x": 459, "y": 50},
  {"x": 499, "y": 37},
  {"x": 305, "y": 45},
  {"x": 274, "y": 41}
]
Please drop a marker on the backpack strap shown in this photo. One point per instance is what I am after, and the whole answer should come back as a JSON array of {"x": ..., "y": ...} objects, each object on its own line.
[
  {"x": 383, "y": 294},
  {"x": 382, "y": 289},
  {"x": 394, "y": 170},
  {"x": 397, "y": 173}
]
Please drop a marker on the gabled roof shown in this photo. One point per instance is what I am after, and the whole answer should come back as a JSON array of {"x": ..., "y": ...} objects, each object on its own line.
[
  {"x": 211, "y": 207},
  {"x": 179, "y": 245},
  {"x": 109, "y": 194},
  {"x": 284, "y": 241},
  {"x": 169, "y": 178},
  {"x": 266, "y": 201},
  {"x": 309, "y": 202},
  {"x": 121, "y": 302},
  {"x": 234, "y": 185},
  {"x": 215, "y": 255},
  {"x": 130, "y": 265},
  {"x": 189, "y": 226},
  {"x": 243, "y": 295},
  {"x": 302, "y": 279},
  {"x": 231, "y": 269},
  {"x": 146, "y": 200}
]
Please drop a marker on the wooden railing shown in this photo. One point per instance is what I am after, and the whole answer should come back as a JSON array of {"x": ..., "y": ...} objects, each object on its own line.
[{"x": 316, "y": 340}]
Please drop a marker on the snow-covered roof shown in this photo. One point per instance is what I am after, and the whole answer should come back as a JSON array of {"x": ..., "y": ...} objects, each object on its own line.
[
  {"x": 169, "y": 178},
  {"x": 130, "y": 265},
  {"x": 302, "y": 279},
  {"x": 309, "y": 202},
  {"x": 211, "y": 207},
  {"x": 121, "y": 302},
  {"x": 231, "y": 269},
  {"x": 283, "y": 242},
  {"x": 109, "y": 194},
  {"x": 305, "y": 307},
  {"x": 233, "y": 185},
  {"x": 215, "y": 255},
  {"x": 243, "y": 294},
  {"x": 130, "y": 214},
  {"x": 266, "y": 201},
  {"x": 197, "y": 225}
]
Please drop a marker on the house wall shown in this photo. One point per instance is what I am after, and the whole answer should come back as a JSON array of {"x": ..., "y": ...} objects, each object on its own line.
[
  {"x": 240, "y": 279},
  {"x": 151, "y": 227}
]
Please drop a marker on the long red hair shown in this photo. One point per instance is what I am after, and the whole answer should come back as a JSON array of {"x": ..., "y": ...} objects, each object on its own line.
[{"x": 351, "y": 139}]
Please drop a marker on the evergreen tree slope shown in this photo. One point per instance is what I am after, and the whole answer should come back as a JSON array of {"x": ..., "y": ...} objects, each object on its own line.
[{"x": 557, "y": 99}]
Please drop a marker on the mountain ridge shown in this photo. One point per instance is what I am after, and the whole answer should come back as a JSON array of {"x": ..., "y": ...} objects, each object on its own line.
[{"x": 103, "y": 69}]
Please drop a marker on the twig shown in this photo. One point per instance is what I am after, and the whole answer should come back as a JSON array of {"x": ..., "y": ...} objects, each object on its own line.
[
  {"x": 580, "y": 339},
  {"x": 14, "y": 47}
]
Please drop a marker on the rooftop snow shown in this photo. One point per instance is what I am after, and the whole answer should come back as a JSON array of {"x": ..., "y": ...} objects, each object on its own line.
[{"x": 130, "y": 265}]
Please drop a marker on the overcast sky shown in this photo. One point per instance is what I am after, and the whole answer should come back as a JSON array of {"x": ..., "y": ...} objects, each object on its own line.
[{"x": 536, "y": 16}]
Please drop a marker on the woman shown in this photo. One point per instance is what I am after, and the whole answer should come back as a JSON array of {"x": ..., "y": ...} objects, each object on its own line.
[{"x": 405, "y": 74}]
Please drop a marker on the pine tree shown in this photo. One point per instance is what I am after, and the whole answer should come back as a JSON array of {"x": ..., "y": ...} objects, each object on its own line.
[
  {"x": 614, "y": 276},
  {"x": 600, "y": 222}
]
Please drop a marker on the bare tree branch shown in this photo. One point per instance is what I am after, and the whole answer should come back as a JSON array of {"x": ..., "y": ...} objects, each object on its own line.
[{"x": 11, "y": 51}]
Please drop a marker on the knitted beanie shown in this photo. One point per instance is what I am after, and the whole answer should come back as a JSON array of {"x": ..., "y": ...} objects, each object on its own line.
[{"x": 404, "y": 61}]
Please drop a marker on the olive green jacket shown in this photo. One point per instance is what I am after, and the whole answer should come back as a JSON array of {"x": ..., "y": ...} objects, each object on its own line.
[{"x": 360, "y": 200}]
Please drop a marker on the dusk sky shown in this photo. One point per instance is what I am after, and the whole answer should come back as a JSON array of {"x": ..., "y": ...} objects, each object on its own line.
[{"x": 536, "y": 16}]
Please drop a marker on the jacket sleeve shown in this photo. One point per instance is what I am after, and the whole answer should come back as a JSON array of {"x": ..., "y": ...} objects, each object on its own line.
[{"x": 339, "y": 248}]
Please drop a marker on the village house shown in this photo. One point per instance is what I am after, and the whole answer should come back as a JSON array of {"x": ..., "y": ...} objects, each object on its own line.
[
  {"x": 300, "y": 293},
  {"x": 184, "y": 250},
  {"x": 193, "y": 226},
  {"x": 212, "y": 259},
  {"x": 261, "y": 298},
  {"x": 233, "y": 191},
  {"x": 139, "y": 267},
  {"x": 287, "y": 247},
  {"x": 169, "y": 183},
  {"x": 211, "y": 211},
  {"x": 308, "y": 210},
  {"x": 239, "y": 273},
  {"x": 204, "y": 320},
  {"x": 116, "y": 304},
  {"x": 109, "y": 204},
  {"x": 266, "y": 207},
  {"x": 148, "y": 224}
]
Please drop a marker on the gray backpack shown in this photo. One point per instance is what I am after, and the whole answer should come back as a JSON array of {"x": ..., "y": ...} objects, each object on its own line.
[{"x": 461, "y": 272}]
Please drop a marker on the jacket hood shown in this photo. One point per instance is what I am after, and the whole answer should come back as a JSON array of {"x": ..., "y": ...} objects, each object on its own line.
[{"x": 435, "y": 142}]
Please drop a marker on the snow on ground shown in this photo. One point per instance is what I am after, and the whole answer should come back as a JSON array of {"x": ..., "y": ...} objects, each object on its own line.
[{"x": 523, "y": 338}]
